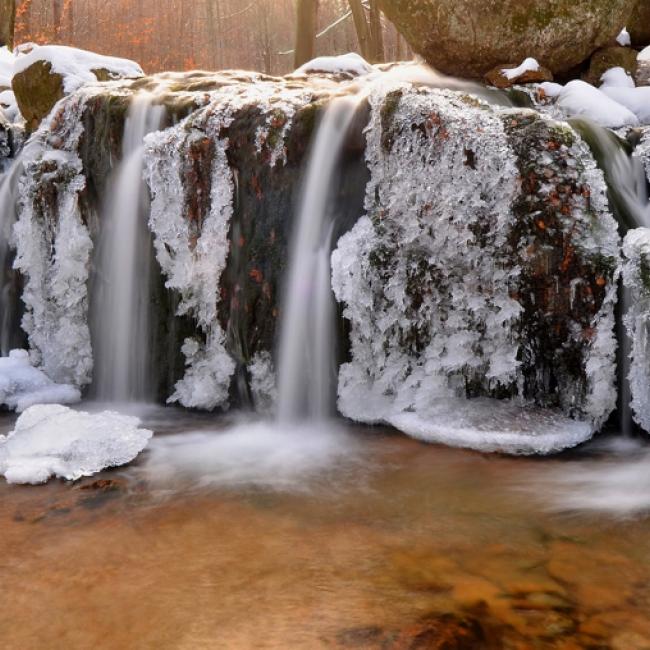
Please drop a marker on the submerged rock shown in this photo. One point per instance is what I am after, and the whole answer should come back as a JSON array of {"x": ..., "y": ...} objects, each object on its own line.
[{"x": 467, "y": 38}]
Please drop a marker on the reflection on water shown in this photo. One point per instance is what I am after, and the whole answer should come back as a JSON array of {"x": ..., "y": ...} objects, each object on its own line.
[{"x": 348, "y": 538}]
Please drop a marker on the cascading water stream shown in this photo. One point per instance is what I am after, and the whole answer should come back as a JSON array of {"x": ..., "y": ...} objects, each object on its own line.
[
  {"x": 626, "y": 179},
  {"x": 122, "y": 295},
  {"x": 306, "y": 345}
]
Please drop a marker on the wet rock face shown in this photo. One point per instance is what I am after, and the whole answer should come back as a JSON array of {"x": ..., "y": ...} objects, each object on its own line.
[
  {"x": 467, "y": 38},
  {"x": 611, "y": 57},
  {"x": 639, "y": 24}
]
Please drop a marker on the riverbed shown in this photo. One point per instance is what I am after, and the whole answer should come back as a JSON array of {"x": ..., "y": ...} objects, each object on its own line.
[{"x": 230, "y": 533}]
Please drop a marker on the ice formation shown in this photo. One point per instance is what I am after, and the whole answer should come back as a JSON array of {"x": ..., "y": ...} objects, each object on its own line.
[
  {"x": 53, "y": 440},
  {"x": 22, "y": 385},
  {"x": 636, "y": 276},
  {"x": 76, "y": 66},
  {"x": 192, "y": 243},
  {"x": 616, "y": 78},
  {"x": 427, "y": 323},
  {"x": 53, "y": 248}
]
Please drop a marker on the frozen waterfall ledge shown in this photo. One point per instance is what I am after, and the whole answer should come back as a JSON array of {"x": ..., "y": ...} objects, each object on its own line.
[
  {"x": 53, "y": 440},
  {"x": 482, "y": 424}
]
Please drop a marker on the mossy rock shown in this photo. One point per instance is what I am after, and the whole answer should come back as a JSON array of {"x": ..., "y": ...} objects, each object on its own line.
[
  {"x": 611, "y": 57},
  {"x": 467, "y": 38},
  {"x": 639, "y": 24}
]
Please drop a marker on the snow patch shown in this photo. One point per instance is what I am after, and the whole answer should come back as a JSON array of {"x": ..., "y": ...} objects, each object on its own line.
[
  {"x": 616, "y": 78},
  {"x": 624, "y": 39},
  {"x": 580, "y": 99},
  {"x": 351, "y": 64},
  {"x": 529, "y": 65},
  {"x": 22, "y": 385},
  {"x": 53, "y": 440}
]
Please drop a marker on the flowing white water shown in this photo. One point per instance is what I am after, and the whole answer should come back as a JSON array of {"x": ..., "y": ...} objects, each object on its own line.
[
  {"x": 8, "y": 215},
  {"x": 121, "y": 304},
  {"x": 306, "y": 346}
]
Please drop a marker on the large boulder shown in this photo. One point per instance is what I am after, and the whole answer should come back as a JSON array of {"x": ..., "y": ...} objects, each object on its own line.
[
  {"x": 467, "y": 38},
  {"x": 46, "y": 74},
  {"x": 639, "y": 23}
]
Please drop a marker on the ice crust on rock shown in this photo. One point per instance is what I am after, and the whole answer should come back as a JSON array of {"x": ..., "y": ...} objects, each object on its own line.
[
  {"x": 53, "y": 440},
  {"x": 427, "y": 322},
  {"x": 636, "y": 277},
  {"x": 76, "y": 66},
  {"x": 193, "y": 255},
  {"x": 22, "y": 385},
  {"x": 53, "y": 247}
]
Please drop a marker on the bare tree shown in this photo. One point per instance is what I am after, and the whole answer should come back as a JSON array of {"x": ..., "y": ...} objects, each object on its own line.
[
  {"x": 362, "y": 27},
  {"x": 306, "y": 23},
  {"x": 376, "y": 33},
  {"x": 7, "y": 21}
]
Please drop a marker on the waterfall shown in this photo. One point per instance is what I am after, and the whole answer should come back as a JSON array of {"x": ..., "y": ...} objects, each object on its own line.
[
  {"x": 122, "y": 293},
  {"x": 306, "y": 372},
  {"x": 626, "y": 180}
]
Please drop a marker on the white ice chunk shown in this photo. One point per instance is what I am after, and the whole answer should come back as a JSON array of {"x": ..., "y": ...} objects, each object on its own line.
[
  {"x": 22, "y": 385},
  {"x": 529, "y": 65},
  {"x": 7, "y": 60},
  {"x": 644, "y": 55},
  {"x": 53, "y": 440},
  {"x": 580, "y": 99},
  {"x": 351, "y": 64},
  {"x": 76, "y": 66}
]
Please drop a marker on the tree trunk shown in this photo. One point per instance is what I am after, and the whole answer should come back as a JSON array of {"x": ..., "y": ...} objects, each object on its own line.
[
  {"x": 363, "y": 30},
  {"x": 307, "y": 14},
  {"x": 376, "y": 33},
  {"x": 7, "y": 22}
]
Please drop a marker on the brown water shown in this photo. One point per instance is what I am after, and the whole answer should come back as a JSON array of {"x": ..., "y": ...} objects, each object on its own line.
[{"x": 391, "y": 545}]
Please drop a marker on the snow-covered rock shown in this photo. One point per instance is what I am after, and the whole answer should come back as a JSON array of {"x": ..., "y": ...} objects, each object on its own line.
[
  {"x": 53, "y": 440},
  {"x": 78, "y": 67},
  {"x": 22, "y": 385},
  {"x": 580, "y": 99},
  {"x": 616, "y": 78},
  {"x": 48, "y": 73},
  {"x": 529, "y": 65},
  {"x": 7, "y": 60},
  {"x": 348, "y": 64},
  {"x": 636, "y": 100}
]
